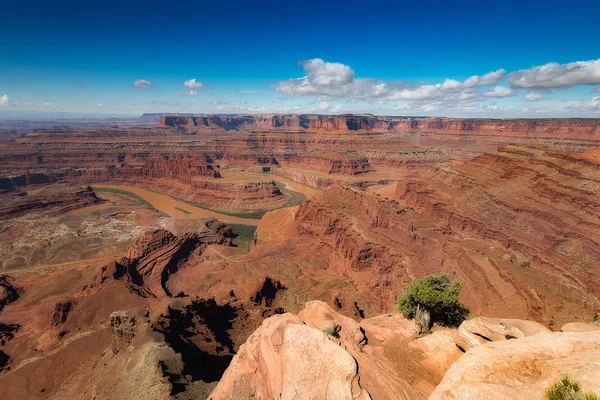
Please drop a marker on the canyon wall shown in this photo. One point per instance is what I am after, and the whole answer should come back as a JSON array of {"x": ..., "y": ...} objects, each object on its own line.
[
  {"x": 586, "y": 129},
  {"x": 505, "y": 224},
  {"x": 53, "y": 200}
]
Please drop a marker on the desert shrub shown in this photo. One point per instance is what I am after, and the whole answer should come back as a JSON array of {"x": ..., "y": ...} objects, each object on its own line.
[
  {"x": 433, "y": 299},
  {"x": 568, "y": 389},
  {"x": 332, "y": 330}
]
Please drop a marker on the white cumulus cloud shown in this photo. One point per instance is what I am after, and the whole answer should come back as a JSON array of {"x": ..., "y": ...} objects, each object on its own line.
[
  {"x": 468, "y": 95},
  {"x": 451, "y": 84},
  {"x": 4, "y": 101},
  {"x": 322, "y": 79},
  {"x": 423, "y": 92},
  {"x": 329, "y": 80},
  {"x": 592, "y": 105},
  {"x": 555, "y": 75},
  {"x": 491, "y": 78},
  {"x": 500, "y": 91},
  {"x": 533, "y": 97},
  {"x": 192, "y": 84},
  {"x": 323, "y": 73},
  {"x": 142, "y": 84}
]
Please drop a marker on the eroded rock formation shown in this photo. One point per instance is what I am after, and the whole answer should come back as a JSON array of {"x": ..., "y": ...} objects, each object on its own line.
[
  {"x": 159, "y": 254},
  {"x": 286, "y": 359},
  {"x": 580, "y": 129},
  {"x": 480, "y": 330},
  {"x": 130, "y": 327},
  {"x": 505, "y": 221},
  {"x": 292, "y": 356},
  {"x": 8, "y": 292},
  {"x": 382, "y": 359},
  {"x": 52, "y": 199},
  {"x": 508, "y": 207},
  {"x": 579, "y": 327},
  {"x": 523, "y": 368}
]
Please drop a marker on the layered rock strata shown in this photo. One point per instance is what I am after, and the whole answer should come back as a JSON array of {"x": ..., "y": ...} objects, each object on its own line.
[{"x": 573, "y": 129}]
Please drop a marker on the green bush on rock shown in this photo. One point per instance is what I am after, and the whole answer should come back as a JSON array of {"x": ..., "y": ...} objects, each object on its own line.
[
  {"x": 568, "y": 389},
  {"x": 433, "y": 299},
  {"x": 332, "y": 330}
]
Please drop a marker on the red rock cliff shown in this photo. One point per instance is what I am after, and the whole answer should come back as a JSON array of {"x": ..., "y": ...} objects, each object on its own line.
[{"x": 587, "y": 129}]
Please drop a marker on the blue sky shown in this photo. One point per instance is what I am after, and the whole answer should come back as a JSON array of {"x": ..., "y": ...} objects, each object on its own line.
[{"x": 395, "y": 58}]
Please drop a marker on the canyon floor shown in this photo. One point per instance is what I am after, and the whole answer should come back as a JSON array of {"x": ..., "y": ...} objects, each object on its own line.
[{"x": 170, "y": 260}]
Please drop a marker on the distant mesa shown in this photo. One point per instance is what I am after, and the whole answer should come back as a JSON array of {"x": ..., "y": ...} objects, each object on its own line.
[{"x": 586, "y": 129}]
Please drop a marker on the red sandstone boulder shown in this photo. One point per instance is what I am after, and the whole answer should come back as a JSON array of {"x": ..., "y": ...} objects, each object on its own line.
[
  {"x": 439, "y": 349},
  {"x": 391, "y": 362},
  {"x": 286, "y": 359},
  {"x": 523, "y": 368},
  {"x": 579, "y": 327},
  {"x": 480, "y": 330},
  {"x": 319, "y": 315},
  {"x": 387, "y": 326}
]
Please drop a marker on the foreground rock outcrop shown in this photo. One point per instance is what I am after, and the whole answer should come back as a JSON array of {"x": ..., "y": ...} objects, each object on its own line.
[
  {"x": 579, "y": 327},
  {"x": 122, "y": 335},
  {"x": 477, "y": 331},
  {"x": 523, "y": 368},
  {"x": 291, "y": 356},
  {"x": 286, "y": 359}
]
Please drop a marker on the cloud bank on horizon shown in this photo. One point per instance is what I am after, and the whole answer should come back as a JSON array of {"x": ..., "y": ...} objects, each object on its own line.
[
  {"x": 331, "y": 80},
  {"x": 338, "y": 80},
  {"x": 332, "y": 87}
]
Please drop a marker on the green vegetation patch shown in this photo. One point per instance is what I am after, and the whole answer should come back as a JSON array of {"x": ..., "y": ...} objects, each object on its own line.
[
  {"x": 568, "y": 389},
  {"x": 122, "y": 192},
  {"x": 245, "y": 233},
  {"x": 296, "y": 198},
  {"x": 436, "y": 296},
  {"x": 333, "y": 330},
  {"x": 250, "y": 215},
  {"x": 184, "y": 211}
]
